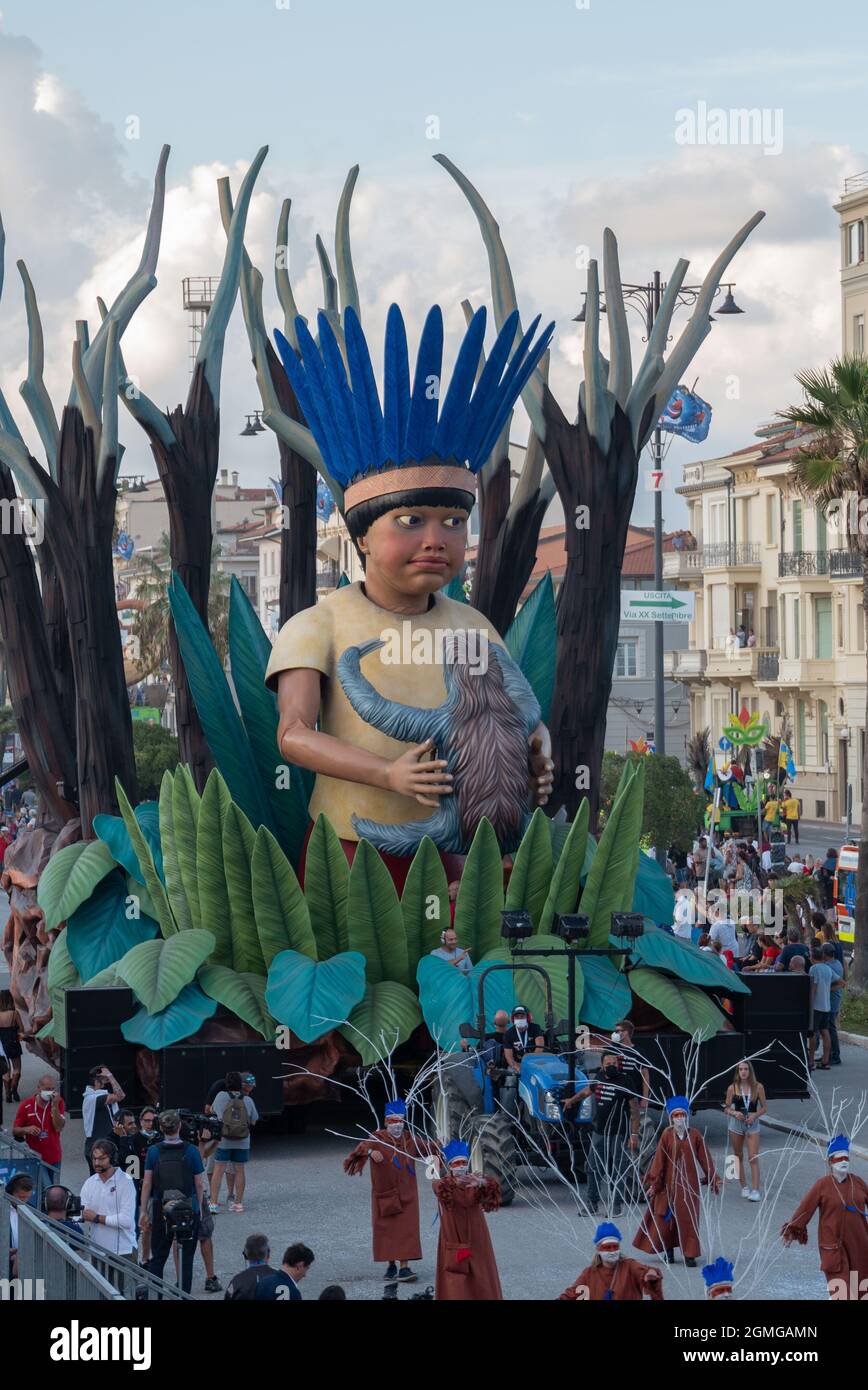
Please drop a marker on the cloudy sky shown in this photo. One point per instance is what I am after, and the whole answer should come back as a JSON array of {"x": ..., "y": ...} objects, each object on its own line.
[{"x": 568, "y": 116}]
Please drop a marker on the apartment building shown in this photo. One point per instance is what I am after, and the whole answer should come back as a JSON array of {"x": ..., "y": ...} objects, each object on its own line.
[
  {"x": 769, "y": 562},
  {"x": 853, "y": 212}
]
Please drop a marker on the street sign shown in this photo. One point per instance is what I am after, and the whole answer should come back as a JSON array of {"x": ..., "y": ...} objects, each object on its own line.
[{"x": 655, "y": 606}]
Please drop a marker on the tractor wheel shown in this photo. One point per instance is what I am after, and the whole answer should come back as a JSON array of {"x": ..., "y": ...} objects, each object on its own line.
[
  {"x": 453, "y": 1108},
  {"x": 494, "y": 1152}
]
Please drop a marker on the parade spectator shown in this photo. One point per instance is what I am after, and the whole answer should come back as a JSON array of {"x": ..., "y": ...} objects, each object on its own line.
[
  {"x": 684, "y": 914},
  {"x": 237, "y": 1113},
  {"x": 741, "y": 635},
  {"x": 450, "y": 951},
  {"x": 837, "y": 998},
  {"x": 825, "y": 876},
  {"x": 39, "y": 1121},
  {"x": 99, "y": 1108},
  {"x": 108, "y": 1201},
  {"x": 797, "y": 966},
  {"x": 700, "y": 855},
  {"x": 744, "y": 1106},
  {"x": 770, "y": 815},
  {"x": 751, "y": 638},
  {"x": 790, "y": 808},
  {"x": 283, "y": 1286},
  {"x": 19, "y": 1189},
  {"x": 821, "y": 978},
  {"x": 213, "y": 1092},
  {"x": 722, "y": 931},
  {"x": 11, "y": 1032},
  {"x": 256, "y": 1253},
  {"x": 827, "y": 935},
  {"x": 54, "y": 1203},
  {"x": 332, "y": 1293},
  {"x": 794, "y": 947}
]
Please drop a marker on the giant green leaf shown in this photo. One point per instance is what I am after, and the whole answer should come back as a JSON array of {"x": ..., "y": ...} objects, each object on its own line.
[
  {"x": 279, "y": 906},
  {"x": 662, "y": 951},
  {"x": 141, "y": 899},
  {"x": 148, "y": 868},
  {"x": 115, "y": 833},
  {"x": 157, "y": 971},
  {"x": 563, "y": 891},
  {"x": 61, "y": 976},
  {"x": 609, "y": 885},
  {"x": 326, "y": 884},
  {"x": 239, "y": 838},
  {"x": 449, "y": 998},
  {"x": 424, "y": 903},
  {"x": 531, "y": 642},
  {"x": 384, "y": 1018},
  {"x": 171, "y": 866},
  {"x": 249, "y": 650},
  {"x": 226, "y": 735},
  {"x": 653, "y": 895},
  {"x": 607, "y": 998},
  {"x": 480, "y": 895},
  {"x": 532, "y": 869},
  {"x": 178, "y": 1020},
  {"x": 69, "y": 878},
  {"x": 684, "y": 1005},
  {"x": 313, "y": 997},
  {"x": 375, "y": 923},
  {"x": 455, "y": 589},
  {"x": 99, "y": 932},
  {"x": 242, "y": 994},
  {"x": 213, "y": 891},
  {"x": 185, "y": 825}
]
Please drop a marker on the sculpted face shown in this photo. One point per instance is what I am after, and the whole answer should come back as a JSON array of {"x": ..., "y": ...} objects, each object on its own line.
[{"x": 415, "y": 550}]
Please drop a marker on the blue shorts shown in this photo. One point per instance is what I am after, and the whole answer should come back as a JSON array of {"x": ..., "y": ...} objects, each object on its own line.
[{"x": 228, "y": 1155}]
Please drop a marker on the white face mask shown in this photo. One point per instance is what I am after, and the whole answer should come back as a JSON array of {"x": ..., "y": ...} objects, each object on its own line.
[
  {"x": 680, "y": 1126},
  {"x": 610, "y": 1257},
  {"x": 458, "y": 1170},
  {"x": 46, "y": 1095},
  {"x": 395, "y": 1127},
  {"x": 616, "y": 1037},
  {"x": 840, "y": 1169}
]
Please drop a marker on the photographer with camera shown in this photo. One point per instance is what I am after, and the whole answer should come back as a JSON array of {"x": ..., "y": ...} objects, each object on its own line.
[
  {"x": 174, "y": 1177},
  {"x": 108, "y": 1201},
  {"x": 204, "y": 1132},
  {"x": 237, "y": 1114}
]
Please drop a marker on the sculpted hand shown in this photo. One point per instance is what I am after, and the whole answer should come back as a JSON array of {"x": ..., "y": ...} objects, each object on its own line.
[
  {"x": 427, "y": 781},
  {"x": 540, "y": 769}
]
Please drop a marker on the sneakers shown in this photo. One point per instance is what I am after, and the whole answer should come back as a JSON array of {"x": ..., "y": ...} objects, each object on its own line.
[
  {"x": 214, "y": 1207},
  {"x": 406, "y": 1275},
  {"x": 391, "y": 1271},
  {"x": 745, "y": 1192},
  {"x": 235, "y": 1206},
  {"x": 690, "y": 1262},
  {"x": 213, "y": 1285},
  {"x": 754, "y": 1195}
]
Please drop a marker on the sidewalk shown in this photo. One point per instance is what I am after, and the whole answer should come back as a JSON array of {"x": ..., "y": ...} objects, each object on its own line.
[{"x": 809, "y": 1117}]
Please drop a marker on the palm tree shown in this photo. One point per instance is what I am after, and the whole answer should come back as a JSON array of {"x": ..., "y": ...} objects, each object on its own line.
[
  {"x": 150, "y": 626},
  {"x": 832, "y": 467},
  {"x": 698, "y": 752}
]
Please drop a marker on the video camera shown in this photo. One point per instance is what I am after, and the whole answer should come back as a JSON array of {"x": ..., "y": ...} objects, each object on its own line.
[
  {"x": 196, "y": 1128},
  {"x": 179, "y": 1216}
]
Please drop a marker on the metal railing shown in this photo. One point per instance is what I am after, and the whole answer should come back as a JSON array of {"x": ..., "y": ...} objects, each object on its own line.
[
  {"x": 19, "y": 1158},
  {"x": 48, "y": 1267},
  {"x": 68, "y": 1263},
  {"x": 844, "y": 563},
  {"x": 722, "y": 555},
  {"x": 767, "y": 666},
  {"x": 803, "y": 562},
  {"x": 855, "y": 183}
]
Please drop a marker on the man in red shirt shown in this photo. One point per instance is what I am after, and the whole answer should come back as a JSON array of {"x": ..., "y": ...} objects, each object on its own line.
[{"x": 39, "y": 1120}]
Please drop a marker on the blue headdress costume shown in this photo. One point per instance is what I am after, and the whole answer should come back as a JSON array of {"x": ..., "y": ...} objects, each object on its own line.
[
  {"x": 607, "y": 1230},
  {"x": 839, "y": 1145},
  {"x": 456, "y": 1148},
  {"x": 409, "y": 442},
  {"x": 717, "y": 1276},
  {"x": 677, "y": 1103},
  {"x": 395, "y": 1107}
]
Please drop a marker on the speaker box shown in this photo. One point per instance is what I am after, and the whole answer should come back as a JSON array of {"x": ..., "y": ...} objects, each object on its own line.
[
  {"x": 777, "y": 1003},
  {"x": 94, "y": 1038},
  {"x": 665, "y": 1054},
  {"x": 190, "y": 1070}
]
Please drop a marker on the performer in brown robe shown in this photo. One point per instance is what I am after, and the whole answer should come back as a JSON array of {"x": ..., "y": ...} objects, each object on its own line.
[
  {"x": 672, "y": 1183},
  {"x": 466, "y": 1267},
  {"x": 611, "y": 1277},
  {"x": 842, "y": 1201},
  {"x": 394, "y": 1191}
]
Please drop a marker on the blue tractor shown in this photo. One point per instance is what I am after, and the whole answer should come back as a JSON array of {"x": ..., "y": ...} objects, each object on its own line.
[{"x": 509, "y": 1126}]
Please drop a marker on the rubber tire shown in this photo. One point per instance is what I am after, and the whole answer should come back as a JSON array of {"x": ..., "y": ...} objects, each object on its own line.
[
  {"x": 452, "y": 1110},
  {"x": 495, "y": 1152}
]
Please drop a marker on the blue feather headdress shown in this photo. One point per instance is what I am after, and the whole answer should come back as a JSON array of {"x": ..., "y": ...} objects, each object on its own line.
[
  {"x": 717, "y": 1274},
  {"x": 443, "y": 439}
]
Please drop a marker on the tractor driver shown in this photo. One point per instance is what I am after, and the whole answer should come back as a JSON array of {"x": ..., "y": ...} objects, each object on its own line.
[{"x": 522, "y": 1037}]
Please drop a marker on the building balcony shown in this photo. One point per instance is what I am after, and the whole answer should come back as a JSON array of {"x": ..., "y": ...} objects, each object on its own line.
[
  {"x": 804, "y": 564},
  {"x": 806, "y": 673},
  {"x": 846, "y": 564},
  {"x": 684, "y": 665},
  {"x": 740, "y": 664},
  {"x": 725, "y": 556},
  {"x": 682, "y": 564}
]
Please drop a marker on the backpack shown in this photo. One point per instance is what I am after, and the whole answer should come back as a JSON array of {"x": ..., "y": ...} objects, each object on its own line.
[
  {"x": 171, "y": 1172},
  {"x": 235, "y": 1123}
]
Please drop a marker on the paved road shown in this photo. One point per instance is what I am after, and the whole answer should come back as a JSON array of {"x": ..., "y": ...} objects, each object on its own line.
[{"x": 297, "y": 1190}]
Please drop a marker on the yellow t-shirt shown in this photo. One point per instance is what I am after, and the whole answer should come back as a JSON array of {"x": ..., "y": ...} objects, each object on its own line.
[
  {"x": 791, "y": 808},
  {"x": 770, "y": 810},
  {"x": 406, "y": 670}
]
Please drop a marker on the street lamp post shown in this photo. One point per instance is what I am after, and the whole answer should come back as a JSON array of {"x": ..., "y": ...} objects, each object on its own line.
[{"x": 646, "y": 300}]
